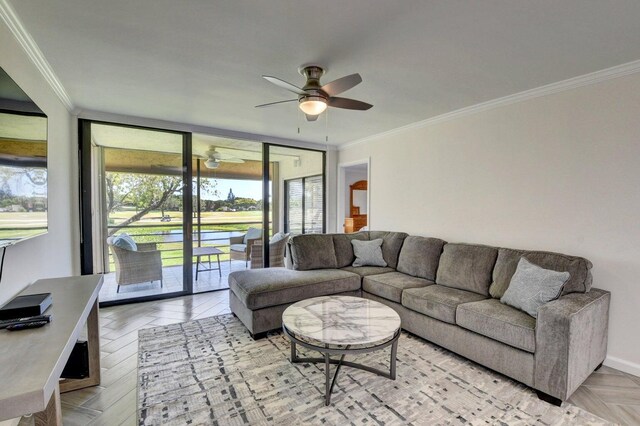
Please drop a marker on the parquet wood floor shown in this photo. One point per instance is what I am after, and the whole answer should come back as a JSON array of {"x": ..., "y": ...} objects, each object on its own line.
[{"x": 608, "y": 393}]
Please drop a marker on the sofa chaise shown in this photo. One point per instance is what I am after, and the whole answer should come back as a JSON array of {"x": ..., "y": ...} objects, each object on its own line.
[{"x": 448, "y": 294}]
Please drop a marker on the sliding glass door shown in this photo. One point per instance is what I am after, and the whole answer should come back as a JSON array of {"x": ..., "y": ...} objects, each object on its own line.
[
  {"x": 139, "y": 226},
  {"x": 227, "y": 199},
  {"x": 168, "y": 213},
  {"x": 297, "y": 191},
  {"x": 304, "y": 205}
]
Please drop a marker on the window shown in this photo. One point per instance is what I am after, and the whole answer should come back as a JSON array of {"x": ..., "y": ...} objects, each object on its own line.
[{"x": 305, "y": 208}]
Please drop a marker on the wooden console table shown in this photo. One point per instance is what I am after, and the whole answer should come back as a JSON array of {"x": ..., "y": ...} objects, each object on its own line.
[{"x": 31, "y": 361}]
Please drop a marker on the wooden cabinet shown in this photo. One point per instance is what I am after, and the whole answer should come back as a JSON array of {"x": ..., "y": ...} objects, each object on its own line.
[
  {"x": 357, "y": 220},
  {"x": 354, "y": 224}
]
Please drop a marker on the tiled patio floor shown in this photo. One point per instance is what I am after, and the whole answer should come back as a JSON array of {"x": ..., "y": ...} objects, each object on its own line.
[{"x": 172, "y": 282}]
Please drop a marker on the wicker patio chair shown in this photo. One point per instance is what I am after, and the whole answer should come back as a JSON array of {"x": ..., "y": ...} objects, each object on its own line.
[
  {"x": 134, "y": 267},
  {"x": 240, "y": 249},
  {"x": 276, "y": 253}
]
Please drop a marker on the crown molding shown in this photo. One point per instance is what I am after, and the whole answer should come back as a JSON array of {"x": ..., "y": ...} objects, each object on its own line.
[
  {"x": 28, "y": 44},
  {"x": 549, "y": 89}
]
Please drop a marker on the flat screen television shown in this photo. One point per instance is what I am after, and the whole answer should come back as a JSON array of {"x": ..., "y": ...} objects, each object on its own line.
[{"x": 23, "y": 165}]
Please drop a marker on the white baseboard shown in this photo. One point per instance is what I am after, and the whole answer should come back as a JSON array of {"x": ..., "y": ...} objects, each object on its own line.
[{"x": 622, "y": 365}]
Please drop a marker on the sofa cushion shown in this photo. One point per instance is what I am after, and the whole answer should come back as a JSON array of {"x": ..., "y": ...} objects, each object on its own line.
[
  {"x": 438, "y": 301},
  {"x": 391, "y": 285},
  {"x": 278, "y": 236},
  {"x": 392, "y": 243},
  {"x": 313, "y": 251},
  {"x": 365, "y": 271},
  {"x": 467, "y": 267},
  {"x": 533, "y": 286},
  {"x": 578, "y": 267},
  {"x": 500, "y": 322},
  {"x": 344, "y": 249},
  {"x": 260, "y": 288},
  {"x": 368, "y": 253},
  {"x": 238, "y": 247},
  {"x": 420, "y": 256}
]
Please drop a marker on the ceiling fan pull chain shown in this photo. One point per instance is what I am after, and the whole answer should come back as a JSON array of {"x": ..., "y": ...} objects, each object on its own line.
[{"x": 326, "y": 127}]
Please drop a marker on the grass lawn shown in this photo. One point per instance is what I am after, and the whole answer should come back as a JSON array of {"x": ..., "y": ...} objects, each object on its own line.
[{"x": 154, "y": 217}]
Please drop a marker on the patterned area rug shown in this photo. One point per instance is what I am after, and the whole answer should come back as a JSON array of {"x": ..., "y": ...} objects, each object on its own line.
[{"x": 212, "y": 372}]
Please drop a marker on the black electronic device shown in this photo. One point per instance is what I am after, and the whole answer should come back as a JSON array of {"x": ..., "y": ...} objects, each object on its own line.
[
  {"x": 77, "y": 366},
  {"x": 27, "y": 305}
]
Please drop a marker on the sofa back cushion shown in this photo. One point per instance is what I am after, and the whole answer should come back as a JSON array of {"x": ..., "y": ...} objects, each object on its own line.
[
  {"x": 313, "y": 251},
  {"x": 467, "y": 267},
  {"x": 344, "y": 249},
  {"x": 391, "y": 245},
  {"x": 419, "y": 257},
  {"x": 578, "y": 267}
]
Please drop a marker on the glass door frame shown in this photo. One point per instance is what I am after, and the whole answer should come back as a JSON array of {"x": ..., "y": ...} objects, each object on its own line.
[
  {"x": 85, "y": 203},
  {"x": 266, "y": 193},
  {"x": 86, "y": 172}
]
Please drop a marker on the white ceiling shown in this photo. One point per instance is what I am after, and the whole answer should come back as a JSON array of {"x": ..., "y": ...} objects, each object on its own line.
[{"x": 200, "y": 62}]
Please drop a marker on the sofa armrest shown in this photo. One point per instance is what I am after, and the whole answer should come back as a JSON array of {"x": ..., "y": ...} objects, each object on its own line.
[
  {"x": 288, "y": 262},
  {"x": 571, "y": 341}
]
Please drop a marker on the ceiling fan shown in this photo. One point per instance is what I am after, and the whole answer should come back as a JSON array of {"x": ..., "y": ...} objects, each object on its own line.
[
  {"x": 214, "y": 158},
  {"x": 313, "y": 98}
]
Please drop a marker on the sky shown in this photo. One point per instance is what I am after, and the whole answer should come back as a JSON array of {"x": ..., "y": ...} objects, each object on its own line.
[{"x": 241, "y": 188}]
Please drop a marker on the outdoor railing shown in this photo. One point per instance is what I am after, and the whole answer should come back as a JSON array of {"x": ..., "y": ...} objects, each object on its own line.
[{"x": 169, "y": 238}]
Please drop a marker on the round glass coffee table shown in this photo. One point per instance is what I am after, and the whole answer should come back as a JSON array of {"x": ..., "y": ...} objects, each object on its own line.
[{"x": 341, "y": 325}]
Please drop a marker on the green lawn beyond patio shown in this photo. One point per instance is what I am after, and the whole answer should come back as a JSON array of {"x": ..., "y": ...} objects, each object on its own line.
[{"x": 215, "y": 229}]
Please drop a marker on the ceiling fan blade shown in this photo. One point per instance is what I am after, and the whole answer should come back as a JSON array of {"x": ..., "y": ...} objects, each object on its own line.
[
  {"x": 311, "y": 117},
  {"x": 233, "y": 160},
  {"x": 347, "y": 103},
  {"x": 281, "y": 83},
  {"x": 275, "y": 103},
  {"x": 342, "y": 84}
]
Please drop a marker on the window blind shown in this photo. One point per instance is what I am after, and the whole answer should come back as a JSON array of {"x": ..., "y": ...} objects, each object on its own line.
[
  {"x": 294, "y": 206},
  {"x": 313, "y": 211}
]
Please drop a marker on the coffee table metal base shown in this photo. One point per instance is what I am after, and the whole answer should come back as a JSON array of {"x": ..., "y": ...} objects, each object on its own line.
[{"x": 327, "y": 360}]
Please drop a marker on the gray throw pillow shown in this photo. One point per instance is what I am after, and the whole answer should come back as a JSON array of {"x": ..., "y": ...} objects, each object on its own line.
[
  {"x": 278, "y": 236},
  {"x": 532, "y": 286},
  {"x": 368, "y": 253},
  {"x": 124, "y": 241}
]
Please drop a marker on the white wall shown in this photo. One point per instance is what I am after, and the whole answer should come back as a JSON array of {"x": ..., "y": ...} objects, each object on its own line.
[
  {"x": 559, "y": 172},
  {"x": 56, "y": 253}
]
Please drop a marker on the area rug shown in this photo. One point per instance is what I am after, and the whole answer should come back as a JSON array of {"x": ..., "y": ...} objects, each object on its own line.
[{"x": 211, "y": 371}]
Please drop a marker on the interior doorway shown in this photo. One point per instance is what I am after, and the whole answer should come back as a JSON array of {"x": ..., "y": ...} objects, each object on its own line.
[{"x": 354, "y": 189}]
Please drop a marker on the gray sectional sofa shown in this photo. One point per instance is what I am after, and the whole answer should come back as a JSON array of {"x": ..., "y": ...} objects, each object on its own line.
[{"x": 449, "y": 294}]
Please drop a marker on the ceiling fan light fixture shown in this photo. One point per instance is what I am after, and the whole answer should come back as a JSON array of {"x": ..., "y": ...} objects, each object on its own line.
[
  {"x": 211, "y": 164},
  {"x": 313, "y": 105}
]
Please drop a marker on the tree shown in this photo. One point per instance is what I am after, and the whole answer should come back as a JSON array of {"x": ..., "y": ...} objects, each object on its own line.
[{"x": 145, "y": 193}]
